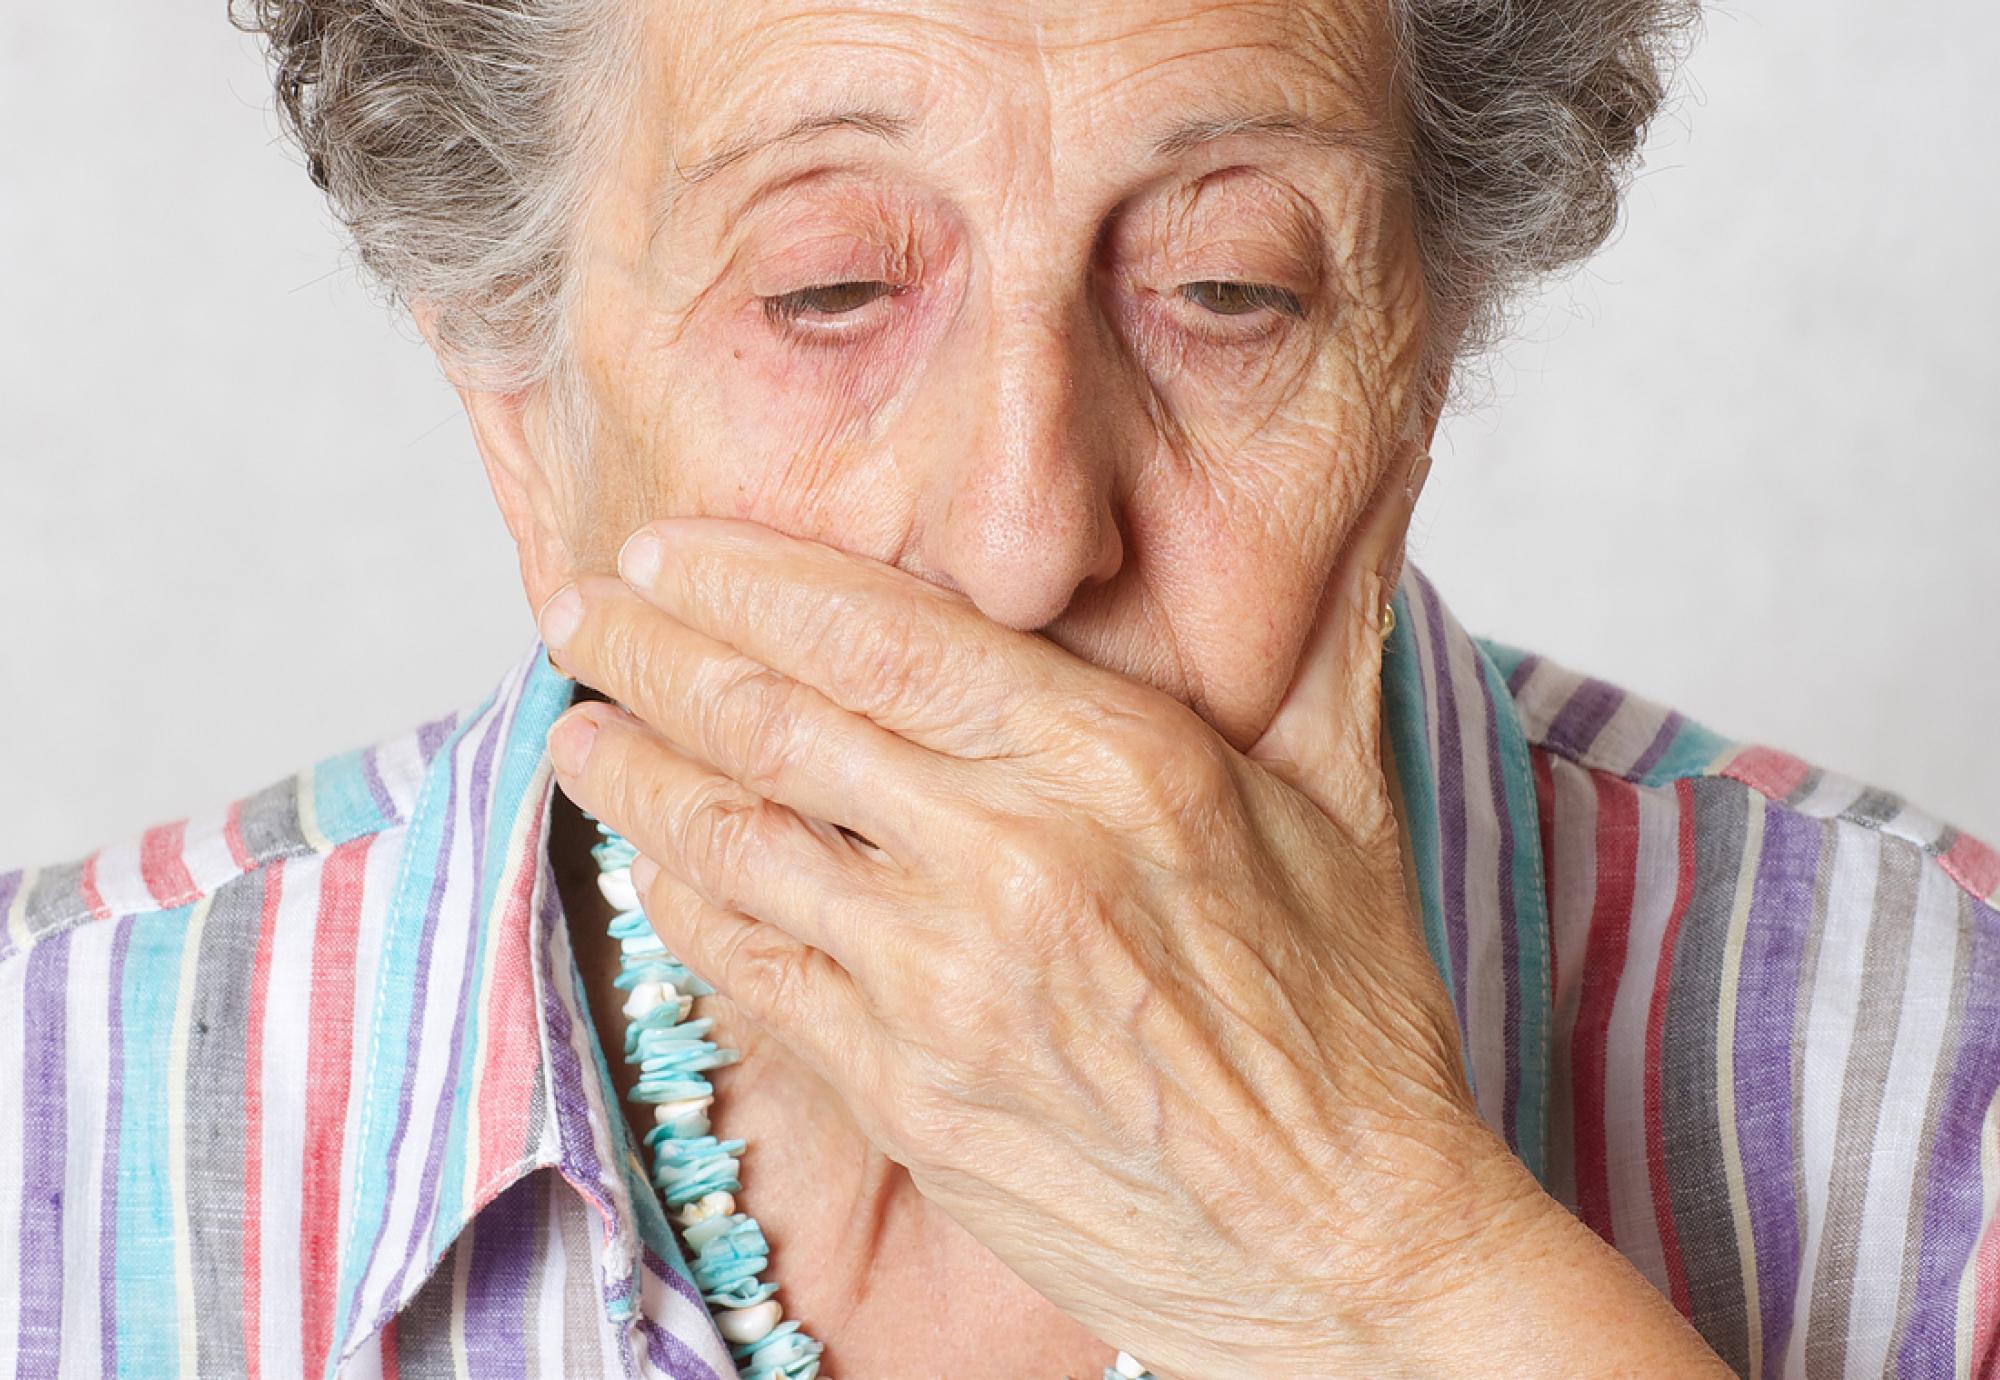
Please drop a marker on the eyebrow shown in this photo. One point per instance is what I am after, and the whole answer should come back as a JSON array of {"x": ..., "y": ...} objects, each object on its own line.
[
  {"x": 892, "y": 128},
  {"x": 1196, "y": 130}
]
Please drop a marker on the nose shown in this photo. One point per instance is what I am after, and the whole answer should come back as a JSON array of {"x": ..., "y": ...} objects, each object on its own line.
[{"x": 1020, "y": 500}]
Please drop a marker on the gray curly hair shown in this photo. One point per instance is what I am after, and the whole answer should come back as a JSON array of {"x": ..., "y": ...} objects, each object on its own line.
[{"x": 455, "y": 141}]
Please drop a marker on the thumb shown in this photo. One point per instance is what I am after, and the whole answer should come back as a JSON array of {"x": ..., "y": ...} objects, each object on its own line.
[{"x": 1324, "y": 739}]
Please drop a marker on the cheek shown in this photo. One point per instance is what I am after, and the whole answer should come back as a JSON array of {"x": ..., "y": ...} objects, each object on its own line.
[{"x": 1236, "y": 576}]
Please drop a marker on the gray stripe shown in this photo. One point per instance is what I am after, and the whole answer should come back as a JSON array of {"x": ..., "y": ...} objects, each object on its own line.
[
  {"x": 423, "y": 1329},
  {"x": 269, "y": 821},
  {"x": 1873, "y": 806},
  {"x": 1807, "y": 785},
  {"x": 1697, "y": 1181},
  {"x": 57, "y": 899},
  {"x": 1822, "y": 901},
  {"x": 582, "y": 1313},
  {"x": 1885, "y": 965},
  {"x": 218, "y": 1023},
  {"x": 1948, "y": 1048}
]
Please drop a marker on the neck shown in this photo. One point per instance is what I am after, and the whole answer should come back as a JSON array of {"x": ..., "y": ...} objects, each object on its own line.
[{"x": 862, "y": 1259}]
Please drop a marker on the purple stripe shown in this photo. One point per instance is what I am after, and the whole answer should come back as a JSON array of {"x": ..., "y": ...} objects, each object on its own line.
[
  {"x": 1951, "y": 1220},
  {"x": 672, "y": 1356},
  {"x": 431, "y": 736},
  {"x": 107, "y": 1228},
  {"x": 575, "y": 1134},
  {"x": 44, "y": 1147},
  {"x": 505, "y": 1242},
  {"x": 449, "y": 1101},
  {"x": 1670, "y": 729},
  {"x": 1450, "y": 767},
  {"x": 1582, "y": 718},
  {"x": 1523, "y": 668},
  {"x": 1510, "y": 939},
  {"x": 1767, "y": 996},
  {"x": 371, "y": 773},
  {"x": 680, "y": 1283}
]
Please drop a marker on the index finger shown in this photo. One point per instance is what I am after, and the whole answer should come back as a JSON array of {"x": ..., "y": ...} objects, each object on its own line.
[{"x": 919, "y": 660}]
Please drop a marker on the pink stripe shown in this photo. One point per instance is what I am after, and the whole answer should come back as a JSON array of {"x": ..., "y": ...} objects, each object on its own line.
[
  {"x": 1986, "y": 1302},
  {"x": 87, "y": 886},
  {"x": 330, "y": 1038},
  {"x": 253, "y": 1123},
  {"x": 232, "y": 833},
  {"x": 1973, "y": 866},
  {"x": 507, "y": 1079},
  {"x": 162, "y": 865},
  {"x": 1776, "y": 774},
  {"x": 1603, "y": 965}
]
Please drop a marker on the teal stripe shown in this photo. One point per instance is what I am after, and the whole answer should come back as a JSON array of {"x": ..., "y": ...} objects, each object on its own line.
[
  {"x": 1531, "y": 924},
  {"x": 390, "y": 1034},
  {"x": 148, "y": 1313},
  {"x": 542, "y": 702},
  {"x": 1506, "y": 658},
  {"x": 1404, "y": 712},
  {"x": 342, "y": 803}
]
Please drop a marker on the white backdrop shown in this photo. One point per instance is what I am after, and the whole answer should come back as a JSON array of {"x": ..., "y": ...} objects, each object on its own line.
[{"x": 1744, "y": 465}]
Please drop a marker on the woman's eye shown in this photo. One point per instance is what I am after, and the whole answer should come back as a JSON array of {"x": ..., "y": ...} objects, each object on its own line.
[
  {"x": 829, "y": 299},
  {"x": 1240, "y": 299}
]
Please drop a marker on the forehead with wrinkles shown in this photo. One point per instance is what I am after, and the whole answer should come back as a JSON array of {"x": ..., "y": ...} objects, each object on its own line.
[{"x": 1059, "y": 89}]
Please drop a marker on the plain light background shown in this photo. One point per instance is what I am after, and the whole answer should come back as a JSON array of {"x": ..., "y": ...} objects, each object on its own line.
[{"x": 1744, "y": 464}]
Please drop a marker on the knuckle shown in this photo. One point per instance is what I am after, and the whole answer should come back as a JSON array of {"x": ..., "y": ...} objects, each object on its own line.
[
  {"x": 760, "y": 970},
  {"x": 1153, "y": 766},
  {"x": 882, "y": 654},
  {"x": 755, "y": 720},
  {"x": 718, "y": 832}
]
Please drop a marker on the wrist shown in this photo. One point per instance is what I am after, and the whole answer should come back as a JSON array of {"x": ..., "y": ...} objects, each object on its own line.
[{"x": 1524, "y": 1288}]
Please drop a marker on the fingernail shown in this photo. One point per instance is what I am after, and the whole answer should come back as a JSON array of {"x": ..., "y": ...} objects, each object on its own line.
[
  {"x": 639, "y": 559},
  {"x": 560, "y": 617},
  {"x": 644, "y": 870},
  {"x": 570, "y": 741}
]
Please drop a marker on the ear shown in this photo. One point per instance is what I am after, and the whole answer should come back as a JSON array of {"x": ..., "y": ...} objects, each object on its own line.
[
  {"x": 522, "y": 467},
  {"x": 1437, "y": 388}
]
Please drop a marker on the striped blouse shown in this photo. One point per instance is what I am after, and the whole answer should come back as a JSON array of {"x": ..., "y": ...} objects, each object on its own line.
[{"x": 309, "y": 1086}]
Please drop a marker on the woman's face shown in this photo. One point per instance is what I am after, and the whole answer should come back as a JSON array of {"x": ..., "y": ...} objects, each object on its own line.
[{"x": 1107, "y": 316}]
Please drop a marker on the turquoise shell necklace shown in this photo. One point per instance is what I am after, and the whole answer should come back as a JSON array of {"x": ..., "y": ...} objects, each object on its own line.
[{"x": 696, "y": 1173}]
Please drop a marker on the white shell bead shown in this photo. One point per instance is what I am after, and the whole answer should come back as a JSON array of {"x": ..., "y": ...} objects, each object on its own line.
[
  {"x": 1125, "y": 1365},
  {"x": 665, "y": 1112},
  {"x": 706, "y": 1206},
  {"x": 741, "y": 1325},
  {"x": 645, "y": 999},
  {"x": 616, "y": 887}
]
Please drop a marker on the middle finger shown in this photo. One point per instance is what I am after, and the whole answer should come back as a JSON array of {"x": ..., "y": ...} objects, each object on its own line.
[{"x": 776, "y": 736}]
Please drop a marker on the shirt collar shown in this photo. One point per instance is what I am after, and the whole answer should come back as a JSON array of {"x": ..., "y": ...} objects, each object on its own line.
[
  {"x": 1459, "y": 763},
  {"x": 479, "y": 1062}
]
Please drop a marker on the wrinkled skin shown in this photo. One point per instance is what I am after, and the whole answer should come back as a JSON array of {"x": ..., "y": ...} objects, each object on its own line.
[{"x": 1053, "y": 547}]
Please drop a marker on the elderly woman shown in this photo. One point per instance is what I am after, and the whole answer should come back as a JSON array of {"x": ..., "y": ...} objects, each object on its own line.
[{"x": 1049, "y": 884}]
